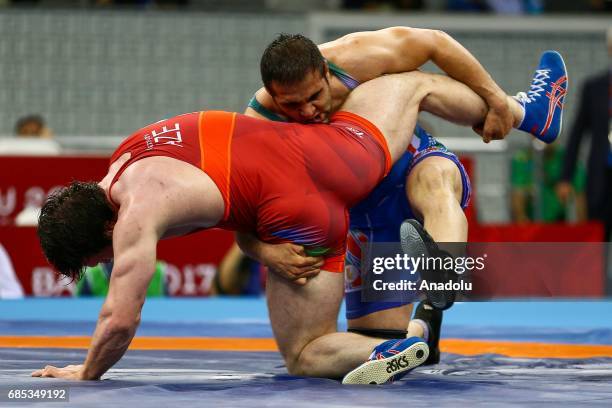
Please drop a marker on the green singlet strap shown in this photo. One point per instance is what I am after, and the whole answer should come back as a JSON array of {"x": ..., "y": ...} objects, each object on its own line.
[
  {"x": 348, "y": 81},
  {"x": 265, "y": 112}
]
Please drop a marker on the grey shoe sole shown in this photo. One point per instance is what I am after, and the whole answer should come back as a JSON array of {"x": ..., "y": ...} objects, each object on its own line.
[
  {"x": 413, "y": 244},
  {"x": 381, "y": 371}
]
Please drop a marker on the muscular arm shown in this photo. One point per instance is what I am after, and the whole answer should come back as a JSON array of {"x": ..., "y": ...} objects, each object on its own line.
[
  {"x": 134, "y": 248},
  {"x": 403, "y": 49},
  {"x": 287, "y": 260},
  {"x": 367, "y": 55}
]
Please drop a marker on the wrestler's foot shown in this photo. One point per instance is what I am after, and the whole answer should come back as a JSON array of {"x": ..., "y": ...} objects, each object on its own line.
[
  {"x": 432, "y": 318},
  {"x": 543, "y": 103},
  {"x": 416, "y": 242},
  {"x": 389, "y": 361}
]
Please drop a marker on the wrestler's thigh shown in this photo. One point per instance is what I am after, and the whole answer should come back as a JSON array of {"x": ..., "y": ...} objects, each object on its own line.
[
  {"x": 391, "y": 102},
  {"x": 300, "y": 314}
]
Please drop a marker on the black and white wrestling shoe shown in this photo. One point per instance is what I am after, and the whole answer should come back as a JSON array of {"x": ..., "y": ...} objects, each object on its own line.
[
  {"x": 417, "y": 243},
  {"x": 432, "y": 319}
]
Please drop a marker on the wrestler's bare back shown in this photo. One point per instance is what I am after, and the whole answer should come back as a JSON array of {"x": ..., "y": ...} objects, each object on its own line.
[{"x": 173, "y": 195}]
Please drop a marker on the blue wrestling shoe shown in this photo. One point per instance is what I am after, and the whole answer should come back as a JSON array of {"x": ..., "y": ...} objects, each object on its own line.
[
  {"x": 543, "y": 102},
  {"x": 390, "y": 360}
]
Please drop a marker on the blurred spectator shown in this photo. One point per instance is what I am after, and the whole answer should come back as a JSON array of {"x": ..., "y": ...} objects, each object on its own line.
[
  {"x": 239, "y": 275},
  {"x": 10, "y": 288},
  {"x": 24, "y": 2},
  {"x": 27, "y": 129},
  {"x": 515, "y": 6},
  {"x": 96, "y": 280},
  {"x": 34, "y": 137},
  {"x": 601, "y": 5},
  {"x": 535, "y": 173},
  {"x": 506, "y": 6},
  {"x": 142, "y": 3},
  {"x": 33, "y": 126},
  {"x": 382, "y": 5},
  {"x": 574, "y": 6},
  {"x": 467, "y": 5},
  {"x": 497, "y": 6},
  {"x": 593, "y": 117}
]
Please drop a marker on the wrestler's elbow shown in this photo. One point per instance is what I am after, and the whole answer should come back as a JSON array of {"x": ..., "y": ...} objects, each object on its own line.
[
  {"x": 124, "y": 324},
  {"x": 123, "y": 315}
]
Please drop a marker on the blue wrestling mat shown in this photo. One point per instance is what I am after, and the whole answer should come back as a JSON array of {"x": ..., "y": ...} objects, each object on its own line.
[{"x": 251, "y": 379}]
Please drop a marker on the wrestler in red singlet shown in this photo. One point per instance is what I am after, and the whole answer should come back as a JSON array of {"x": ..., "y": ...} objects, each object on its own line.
[{"x": 285, "y": 182}]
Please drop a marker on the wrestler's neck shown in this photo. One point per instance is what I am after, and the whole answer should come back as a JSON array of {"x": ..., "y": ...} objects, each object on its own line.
[
  {"x": 339, "y": 92},
  {"x": 345, "y": 60}
]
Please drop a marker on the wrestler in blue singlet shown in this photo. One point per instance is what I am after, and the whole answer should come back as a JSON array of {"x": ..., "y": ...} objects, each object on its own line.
[{"x": 378, "y": 217}]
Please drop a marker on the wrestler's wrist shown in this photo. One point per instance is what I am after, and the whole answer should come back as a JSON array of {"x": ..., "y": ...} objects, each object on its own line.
[
  {"x": 251, "y": 247},
  {"x": 497, "y": 100},
  {"x": 263, "y": 254},
  {"x": 87, "y": 374}
]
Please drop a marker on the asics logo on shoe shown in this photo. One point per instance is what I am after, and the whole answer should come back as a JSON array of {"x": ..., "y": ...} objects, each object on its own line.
[
  {"x": 556, "y": 94},
  {"x": 397, "y": 364}
]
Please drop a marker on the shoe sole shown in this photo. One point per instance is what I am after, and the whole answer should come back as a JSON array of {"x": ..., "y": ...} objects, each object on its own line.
[
  {"x": 411, "y": 241},
  {"x": 376, "y": 371},
  {"x": 413, "y": 245}
]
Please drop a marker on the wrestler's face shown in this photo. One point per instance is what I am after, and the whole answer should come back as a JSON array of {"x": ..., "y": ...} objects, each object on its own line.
[{"x": 308, "y": 101}]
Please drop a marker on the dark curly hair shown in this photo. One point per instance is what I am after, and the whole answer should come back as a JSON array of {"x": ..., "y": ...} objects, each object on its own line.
[
  {"x": 288, "y": 59},
  {"x": 74, "y": 225}
]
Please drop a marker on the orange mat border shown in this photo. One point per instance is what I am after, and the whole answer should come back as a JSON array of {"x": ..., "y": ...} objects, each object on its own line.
[{"x": 455, "y": 346}]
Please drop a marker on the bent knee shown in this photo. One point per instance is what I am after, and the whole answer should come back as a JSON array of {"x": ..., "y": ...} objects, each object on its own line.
[
  {"x": 436, "y": 181},
  {"x": 303, "y": 365},
  {"x": 416, "y": 84}
]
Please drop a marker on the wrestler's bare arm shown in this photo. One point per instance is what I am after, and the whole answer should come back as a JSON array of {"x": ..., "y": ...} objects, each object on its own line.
[
  {"x": 157, "y": 197},
  {"x": 370, "y": 54},
  {"x": 403, "y": 49},
  {"x": 134, "y": 245},
  {"x": 287, "y": 260}
]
